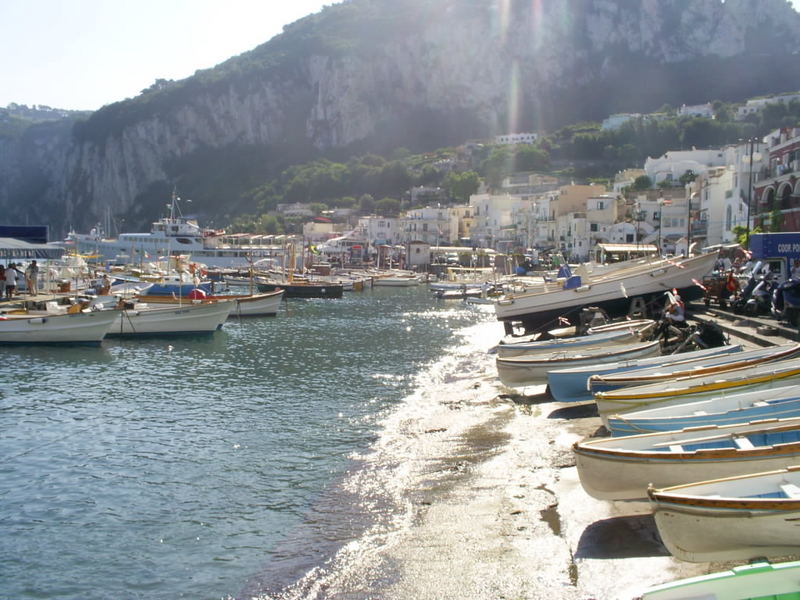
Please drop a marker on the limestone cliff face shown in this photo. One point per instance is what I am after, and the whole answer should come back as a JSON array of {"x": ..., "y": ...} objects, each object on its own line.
[{"x": 393, "y": 64}]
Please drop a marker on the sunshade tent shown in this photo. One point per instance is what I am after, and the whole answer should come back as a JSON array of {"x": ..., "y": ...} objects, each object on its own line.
[{"x": 11, "y": 248}]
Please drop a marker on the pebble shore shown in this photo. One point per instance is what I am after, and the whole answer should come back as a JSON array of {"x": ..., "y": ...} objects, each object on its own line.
[{"x": 513, "y": 520}]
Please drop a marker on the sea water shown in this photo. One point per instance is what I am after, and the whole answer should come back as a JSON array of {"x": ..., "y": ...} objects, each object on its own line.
[{"x": 260, "y": 461}]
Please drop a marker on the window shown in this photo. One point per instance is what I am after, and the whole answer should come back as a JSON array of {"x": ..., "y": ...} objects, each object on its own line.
[
  {"x": 593, "y": 227},
  {"x": 728, "y": 217}
]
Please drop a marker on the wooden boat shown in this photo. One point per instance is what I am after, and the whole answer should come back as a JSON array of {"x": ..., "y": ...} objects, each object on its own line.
[
  {"x": 777, "y": 403},
  {"x": 255, "y": 305},
  {"x": 754, "y": 581},
  {"x": 204, "y": 317},
  {"x": 612, "y": 291},
  {"x": 685, "y": 389},
  {"x": 80, "y": 327},
  {"x": 517, "y": 371},
  {"x": 714, "y": 364},
  {"x": 571, "y": 385},
  {"x": 620, "y": 468},
  {"x": 744, "y": 517},
  {"x": 624, "y": 336},
  {"x": 245, "y": 305}
]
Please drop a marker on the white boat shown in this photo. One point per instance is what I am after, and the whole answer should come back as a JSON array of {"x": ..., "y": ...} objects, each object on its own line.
[
  {"x": 400, "y": 280},
  {"x": 760, "y": 579},
  {"x": 710, "y": 365},
  {"x": 173, "y": 235},
  {"x": 777, "y": 403},
  {"x": 519, "y": 371},
  {"x": 621, "y": 468},
  {"x": 507, "y": 349},
  {"x": 245, "y": 305},
  {"x": 745, "y": 517},
  {"x": 256, "y": 305},
  {"x": 686, "y": 389},
  {"x": 613, "y": 291},
  {"x": 204, "y": 317},
  {"x": 571, "y": 385},
  {"x": 82, "y": 327}
]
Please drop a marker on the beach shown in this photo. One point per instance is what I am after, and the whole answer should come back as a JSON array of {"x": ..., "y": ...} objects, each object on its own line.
[{"x": 503, "y": 514}]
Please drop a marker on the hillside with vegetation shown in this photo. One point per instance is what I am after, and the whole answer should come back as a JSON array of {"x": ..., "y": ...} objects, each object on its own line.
[{"x": 304, "y": 116}]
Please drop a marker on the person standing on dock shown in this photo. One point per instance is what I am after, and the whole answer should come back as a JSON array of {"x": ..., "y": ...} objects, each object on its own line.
[
  {"x": 32, "y": 278},
  {"x": 11, "y": 280}
]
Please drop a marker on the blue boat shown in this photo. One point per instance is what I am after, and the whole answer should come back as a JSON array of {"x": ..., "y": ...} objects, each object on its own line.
[
  {"x": 571, "y": 385},
  {"x": 776, "y": 403}
]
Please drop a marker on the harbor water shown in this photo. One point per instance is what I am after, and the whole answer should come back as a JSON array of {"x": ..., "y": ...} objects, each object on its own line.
[{"x": 268, "y": 460}]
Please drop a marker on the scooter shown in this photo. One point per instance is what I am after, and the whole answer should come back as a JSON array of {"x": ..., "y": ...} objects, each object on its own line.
[{"x": 757, "y": 296}]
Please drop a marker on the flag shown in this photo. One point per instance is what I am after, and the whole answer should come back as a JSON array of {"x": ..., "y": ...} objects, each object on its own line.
[
  {"x": 563, "y": 321},
  {"x": 665, "y": 201}
]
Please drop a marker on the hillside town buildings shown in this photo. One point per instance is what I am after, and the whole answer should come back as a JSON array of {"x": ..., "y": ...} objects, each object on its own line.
[{"x": 698, "y": 198}]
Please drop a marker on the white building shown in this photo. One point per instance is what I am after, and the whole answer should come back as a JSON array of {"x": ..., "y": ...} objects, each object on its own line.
[
  {"x": 755, "y": 105},
  {"x": 697, "y": 110},
  {"x": 574, "y": 237},
  {"x": 493, "y": 217},
  {"x": 378, "y": 230},
  {"x": 675, "y": 163},
  {"x": 516, "y": 138},
  {"x": 435, "y": 225}
]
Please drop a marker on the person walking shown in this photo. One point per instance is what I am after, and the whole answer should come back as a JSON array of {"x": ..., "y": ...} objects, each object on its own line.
[{"x": 32, "y": 278}]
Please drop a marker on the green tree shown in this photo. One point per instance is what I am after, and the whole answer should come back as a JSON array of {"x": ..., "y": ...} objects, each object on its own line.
[
  {"x": 318, "y": 207},
  {"x": 366, "y": 204},
  {"x": 462, "y": 185},
  {"x": 687, "y": 177},
  {"x": 389, "y": 207},
  {"x": 642, "y": 182}
]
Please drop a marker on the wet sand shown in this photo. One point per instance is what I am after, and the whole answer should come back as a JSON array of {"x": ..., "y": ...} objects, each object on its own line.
[{"x": 509, "y": 518}]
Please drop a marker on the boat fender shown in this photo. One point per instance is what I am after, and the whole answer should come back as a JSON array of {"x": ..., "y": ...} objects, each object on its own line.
[{"x": 38, "y": 321}]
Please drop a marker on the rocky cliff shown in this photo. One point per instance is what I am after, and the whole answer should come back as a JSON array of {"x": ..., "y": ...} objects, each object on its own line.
[{"x": 377, "y": 74}]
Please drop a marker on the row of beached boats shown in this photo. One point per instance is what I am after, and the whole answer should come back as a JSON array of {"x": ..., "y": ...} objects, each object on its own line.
[{"x": 711, "y": 438}]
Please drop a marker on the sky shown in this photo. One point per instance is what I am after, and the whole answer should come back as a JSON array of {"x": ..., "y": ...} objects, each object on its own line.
[{"x": 84, "y": 54}]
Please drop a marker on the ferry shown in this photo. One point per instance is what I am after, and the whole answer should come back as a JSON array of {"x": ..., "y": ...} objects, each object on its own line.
[{"x": 174, "y": 235}]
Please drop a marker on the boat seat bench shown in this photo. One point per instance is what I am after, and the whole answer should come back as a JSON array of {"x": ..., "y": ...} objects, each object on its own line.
[{"x": 791, "y": 490}]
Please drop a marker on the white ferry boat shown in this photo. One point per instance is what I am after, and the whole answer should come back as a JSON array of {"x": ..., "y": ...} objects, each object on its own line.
[{"x": 172, "y": 236}]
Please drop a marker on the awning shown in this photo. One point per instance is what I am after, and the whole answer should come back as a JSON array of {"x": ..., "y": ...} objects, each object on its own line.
[{"x": 13, "y": 248}]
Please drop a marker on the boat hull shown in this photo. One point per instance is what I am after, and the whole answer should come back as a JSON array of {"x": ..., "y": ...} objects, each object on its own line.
[
  {"x": 257, "y": 305},
  {"x": 78, "y": 328},
  {"x": 778, "y": 403},
  {"x": 327, "y": 290},
  {"x": 539, "y": 347},
  {"x": 640, "y": 397},
  {"x": 571, "y": 385},
  {"x": 777, "y": 581},
  {"x": 538, "y": 311},
  {"x": 522, "y": 371},
  {"x": 712, "y": 521},
  {"x": 623, "y": 468},
  {"x": 205, "y": 317}
]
